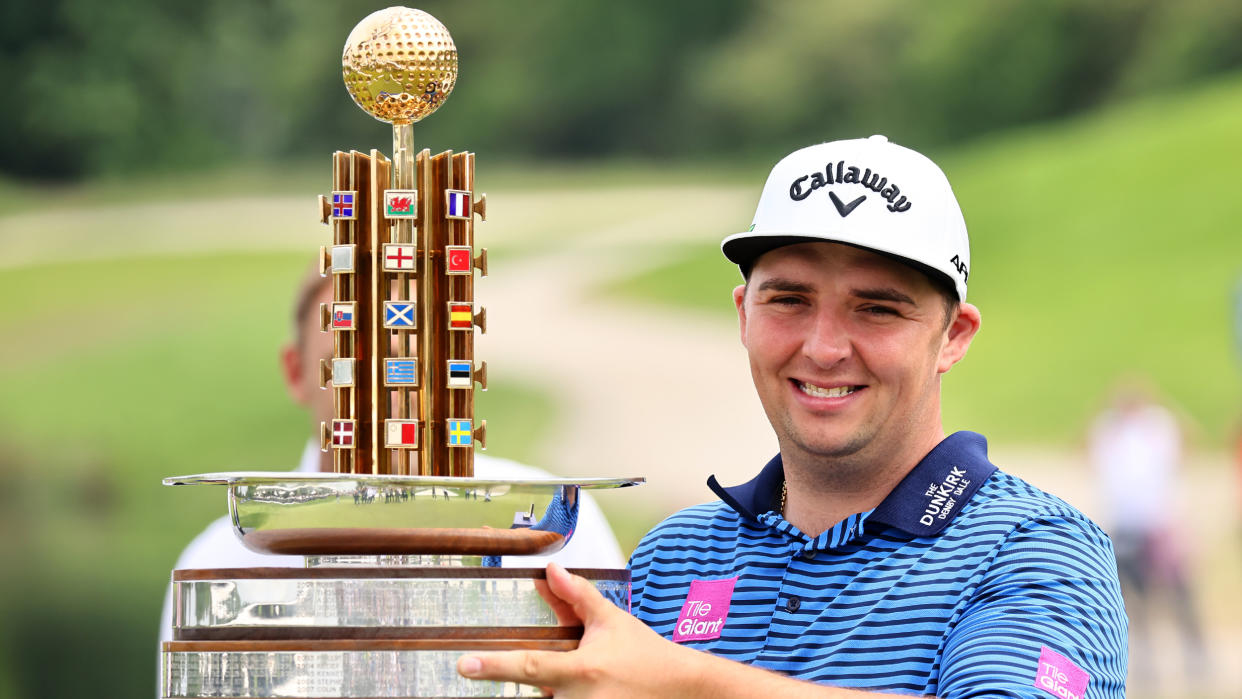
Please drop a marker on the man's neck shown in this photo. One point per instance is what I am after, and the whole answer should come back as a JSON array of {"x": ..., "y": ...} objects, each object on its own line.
[{"x": 821, "y": 491}]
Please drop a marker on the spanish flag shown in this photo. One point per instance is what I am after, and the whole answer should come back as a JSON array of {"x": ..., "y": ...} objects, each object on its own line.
[{"x": 461, "y": 316}]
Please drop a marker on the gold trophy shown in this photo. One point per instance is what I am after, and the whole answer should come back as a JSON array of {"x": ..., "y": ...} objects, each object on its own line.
[
  {"x": 402, "y": 543},
  {"x": 403, "y": 266}
]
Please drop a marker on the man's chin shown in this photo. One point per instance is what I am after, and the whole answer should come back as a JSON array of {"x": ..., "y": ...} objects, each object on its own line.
[{"x": 827, "y": 446}]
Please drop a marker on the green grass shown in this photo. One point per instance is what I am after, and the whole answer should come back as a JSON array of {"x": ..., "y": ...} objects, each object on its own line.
[{"x": 1100, "y": 246}]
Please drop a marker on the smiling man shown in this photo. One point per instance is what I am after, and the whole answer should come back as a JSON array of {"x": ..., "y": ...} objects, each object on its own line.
[{"x": 873, "y": 552}]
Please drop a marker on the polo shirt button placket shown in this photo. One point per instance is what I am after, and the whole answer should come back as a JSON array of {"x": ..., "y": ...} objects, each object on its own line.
[{"x": 792, "y": 604}]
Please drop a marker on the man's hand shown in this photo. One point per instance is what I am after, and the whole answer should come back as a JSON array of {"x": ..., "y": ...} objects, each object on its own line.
[{"x": 618, "y": 656}]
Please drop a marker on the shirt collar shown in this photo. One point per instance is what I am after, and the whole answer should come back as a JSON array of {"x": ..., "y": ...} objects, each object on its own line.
[
  {"x": 923, "y": 503},
  {"x": 309, "y": 463}
]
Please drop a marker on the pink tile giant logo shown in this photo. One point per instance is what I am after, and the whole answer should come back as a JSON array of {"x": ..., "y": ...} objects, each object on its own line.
[
  {"x": 1059, "y": 676},
  {"x": 706, "y": 608}
]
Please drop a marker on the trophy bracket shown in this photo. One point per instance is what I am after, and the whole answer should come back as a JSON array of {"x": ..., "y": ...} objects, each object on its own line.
[
  {"x": 480, "y": 375},
  {"x": 325, "y": 317},
  {"x": 480, "y": 206},
  {"x": 325, "y": 209},
  {"x": 480, "y": 319},
  {"x": 480, "y": 262},
  {"x": 480, "y": 435},
  {"x": 325, "y": 372}
]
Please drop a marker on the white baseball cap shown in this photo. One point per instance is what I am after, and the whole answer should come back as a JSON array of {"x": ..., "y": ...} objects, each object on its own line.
[{"x": 864, "y": 192}]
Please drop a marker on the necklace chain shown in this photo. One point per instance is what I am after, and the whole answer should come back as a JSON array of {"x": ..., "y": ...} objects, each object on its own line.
[{"x": 784, "y": 492}]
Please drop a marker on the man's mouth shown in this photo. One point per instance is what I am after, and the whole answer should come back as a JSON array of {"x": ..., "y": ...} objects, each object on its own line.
[{"x": 821, "y": 392}]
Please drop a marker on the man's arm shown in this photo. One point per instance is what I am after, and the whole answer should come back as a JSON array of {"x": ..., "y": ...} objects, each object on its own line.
[
  {"x": 1046, "y": 620},
  {"x": 620, "y": 657}
]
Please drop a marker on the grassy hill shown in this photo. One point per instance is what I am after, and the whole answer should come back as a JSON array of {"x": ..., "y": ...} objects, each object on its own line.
[{"x": 1105, "y": 245}]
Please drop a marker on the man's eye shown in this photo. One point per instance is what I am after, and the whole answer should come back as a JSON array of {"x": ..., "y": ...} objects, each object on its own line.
[
  {"x": 880, "y": 310},
  {"x": 786, "y": 300}
]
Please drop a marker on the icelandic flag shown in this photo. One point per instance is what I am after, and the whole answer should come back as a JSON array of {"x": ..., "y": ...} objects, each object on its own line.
[
  {"x": 400, "y": 372},
  {"x": 458, "y": 203},
  {"x": 460, "y": 434},
  {"x": 459, "y": 374},
  {"x": 343, "y": 204},
  {"x": 398, "y": 314}
]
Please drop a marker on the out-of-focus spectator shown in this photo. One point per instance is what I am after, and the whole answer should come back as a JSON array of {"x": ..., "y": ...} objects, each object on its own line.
[{"x": 1135, "y": 446}]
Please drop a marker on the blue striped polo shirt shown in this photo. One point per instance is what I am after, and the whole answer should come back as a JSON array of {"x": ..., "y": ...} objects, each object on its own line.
[{"x": 964, "y": 582}]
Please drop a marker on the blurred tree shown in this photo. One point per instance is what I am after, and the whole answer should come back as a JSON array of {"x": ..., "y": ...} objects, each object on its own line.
[{"x": 140, "y": 84}]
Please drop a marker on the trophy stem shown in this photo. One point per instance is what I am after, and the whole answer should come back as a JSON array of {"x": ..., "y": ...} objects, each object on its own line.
[
  {"x": 403, "y": 156},
  {"x": 403, "y": 174}
]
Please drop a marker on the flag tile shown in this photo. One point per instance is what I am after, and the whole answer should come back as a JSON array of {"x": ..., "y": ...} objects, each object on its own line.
[
  {"x": 401, "y": 434},
  {"x": 343, "y": 316},
  {"x": 460, "y": 374},
  {"x": 342, "y": 434},
  {"x": 457, "y": 203},
  {"x": 401, "y": 372},
  {"x": 400, "y": 203},
  {"x": 458, "y": 259},
  {"x": 460, "y": 433},
  {"x": 342, "y": 372},
  {"x": 343, "y": 204},
  {"x": 343, "y": 258},
  {"x": 399, "y": 314},
  {"x": 461, "y": 316},
  {"x": 399, "y": 258}
]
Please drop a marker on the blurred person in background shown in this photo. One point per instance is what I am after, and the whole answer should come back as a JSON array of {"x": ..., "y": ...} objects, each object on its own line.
[
  {"x": 593, "y": 544},
  {"x": 1135, "y": 447}
]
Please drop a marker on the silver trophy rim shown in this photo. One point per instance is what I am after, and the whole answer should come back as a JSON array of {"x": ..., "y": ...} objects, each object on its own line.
[{"x": 243, "y": 478}]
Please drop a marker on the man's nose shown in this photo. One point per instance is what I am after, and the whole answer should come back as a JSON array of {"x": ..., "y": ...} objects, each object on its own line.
[{"x": 828, "y": 342}]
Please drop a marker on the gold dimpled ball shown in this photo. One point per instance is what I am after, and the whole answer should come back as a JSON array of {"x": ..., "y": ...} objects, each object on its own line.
[{"x": 399, "y": 64}]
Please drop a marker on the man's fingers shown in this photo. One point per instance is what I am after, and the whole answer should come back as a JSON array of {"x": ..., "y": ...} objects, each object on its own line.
[
  {"x": 541, "y": 668},
  {"x": 587, "y": 603},
  {"x": 565, "y": 615}
]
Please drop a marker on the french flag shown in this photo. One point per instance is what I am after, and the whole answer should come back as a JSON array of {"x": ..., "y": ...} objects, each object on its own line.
[{"x": 458, "y": 203}]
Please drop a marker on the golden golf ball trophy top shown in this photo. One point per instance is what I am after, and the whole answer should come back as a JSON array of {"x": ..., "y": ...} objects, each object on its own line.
[{"x": 399, "y": 65}]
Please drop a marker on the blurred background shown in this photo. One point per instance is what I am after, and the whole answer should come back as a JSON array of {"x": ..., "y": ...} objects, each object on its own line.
[{"x": 159, "y": 163}]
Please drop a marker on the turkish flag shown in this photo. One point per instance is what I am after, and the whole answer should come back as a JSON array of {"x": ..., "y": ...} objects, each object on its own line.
[{"x": 459, "y": 259}]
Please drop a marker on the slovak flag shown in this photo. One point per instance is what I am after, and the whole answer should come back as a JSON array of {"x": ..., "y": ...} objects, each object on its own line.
[
  {"x": 343, "y": 316},
  {"x": 457, "y": 204}
]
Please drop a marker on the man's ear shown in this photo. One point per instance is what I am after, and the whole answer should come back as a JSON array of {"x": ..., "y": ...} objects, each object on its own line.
[
  {"x": 958, "y": 336},
  {"x": 739, "y": 301},
  {"x": 293, "y": 371}
]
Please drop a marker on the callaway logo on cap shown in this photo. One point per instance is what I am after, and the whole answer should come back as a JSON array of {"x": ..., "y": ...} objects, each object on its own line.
[{"x": 865, "y": 192}]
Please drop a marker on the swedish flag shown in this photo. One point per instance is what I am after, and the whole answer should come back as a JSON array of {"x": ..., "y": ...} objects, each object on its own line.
[{"x": 460, "y": 434}]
